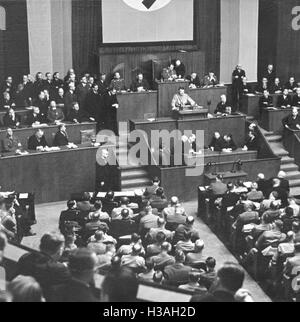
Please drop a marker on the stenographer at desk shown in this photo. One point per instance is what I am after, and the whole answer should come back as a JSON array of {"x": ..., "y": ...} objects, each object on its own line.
[{"x": 181, "y": 101}]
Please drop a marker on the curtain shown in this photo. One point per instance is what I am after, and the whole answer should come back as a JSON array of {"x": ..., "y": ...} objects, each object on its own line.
[{"x": 87, "y": 34}]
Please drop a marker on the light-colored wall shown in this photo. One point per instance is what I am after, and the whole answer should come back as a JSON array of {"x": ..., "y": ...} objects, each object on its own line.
[
  {"x": 50, "y": 35},
  {"x": 239, "y": 38}
]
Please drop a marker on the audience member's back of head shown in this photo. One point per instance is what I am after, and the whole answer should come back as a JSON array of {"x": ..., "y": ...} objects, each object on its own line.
[
  {"x": 231, "y": 276},
  {"x": 190, "y": 220},
  {"x": 125, "y": 213},
  {"x": 160, "y": 193},
  {"x": 160, "y": 237},
  {"x": 210, "y": 263},
  {"x": 179, "y": 257},
  {"x": 25, "y": 289},
  {"x": 122, "y": 286},
  {"x": 52, "y": 243},
  {"x": 82, "y": 261},
  {"x": 199, "y": 246}
]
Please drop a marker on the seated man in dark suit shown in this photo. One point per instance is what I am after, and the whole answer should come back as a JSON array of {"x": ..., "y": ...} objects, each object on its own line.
[
  {"x": 77, "y": 114},
  {"x": 230, "y": 279},
  {"x": 82, "y": 264},
  {"x": 245, "y": 87},
  {"x": 194, "y": 80},
  {"x": 151, "y": 191},
  {"x": 210, "y": 79},
  {"x": 35, "y": 117},
  {"x": 218, "y": 188},
  {"x": 61, "y": 137},
  {"x": 71, "y": 216},
  {"x": 44, "y": 266},
  {"x": 262, "y": 86},
  {"x": 284, "y": 183},
  {"x": 291, "y": 85},
  {"x": 55, "y": 115},
  {"x": 180, "y": 69},
  {"x": 266, "y": 100},
  {"x": 276, "y": 87},
  {"x": 11, "y": 119},
  {"x": 217, "y": 143},
  {"x": 178, "y": 273},
  {"x": 37, "y": 140},
  {"x": 222, "y": 107},
  {"x": 230, "y": 198},
  {"x": 6, "y": 102},
  {"x": 10, "y": 143},
  {"x": 292, "y": 121},
  {"x": 251, "y": 143},
  {"x": 117, "y": 83},
  {"x": 284, "y": 101},
  {"x": 140, "y": 85},
  {"x": 123, "y": 227},
  {"x": 229, "y": 144},
  {"x": 296, "y": 99}
]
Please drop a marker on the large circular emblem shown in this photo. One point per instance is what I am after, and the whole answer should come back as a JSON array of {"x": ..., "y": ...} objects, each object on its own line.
[{"x": 147, "y": 5}]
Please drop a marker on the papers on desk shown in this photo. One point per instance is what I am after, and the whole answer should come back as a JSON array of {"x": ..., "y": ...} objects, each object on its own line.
[
  {"x": 23, "y": 196},
  {"x": 39, "y": 125},
  {"x": 118, "y": 194},
  {"x": 251, "y": 95},
  {"x": 151, "y": 119},
  {"x": 18, "y": 152},
  {"x": 72, "y": 146}
]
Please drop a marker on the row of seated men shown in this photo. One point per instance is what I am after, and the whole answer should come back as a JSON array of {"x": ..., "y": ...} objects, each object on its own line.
[
  {"x": 263, "y": 224},
  {"x": 12, "y": 144},
  {"x": 284, "y": 101},
  {"x": 164, "y": 248}
]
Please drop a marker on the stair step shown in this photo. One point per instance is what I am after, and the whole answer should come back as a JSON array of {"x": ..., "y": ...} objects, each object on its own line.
[
  {"x": 133, "y": 174},
  {"x": 135, "y": 183},
  {"x": 274, "y": 138},
  {"x": 291, "y": 175},
  {"x": 295, "y": 191},
  {"x": 287, "y": 160},
  {"x": 289, "y": 167},
  {"x": 294, "y": 183}
]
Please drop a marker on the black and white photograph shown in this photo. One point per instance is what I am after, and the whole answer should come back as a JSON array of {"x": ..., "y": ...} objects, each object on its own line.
[{"x": 149, "y": 154}]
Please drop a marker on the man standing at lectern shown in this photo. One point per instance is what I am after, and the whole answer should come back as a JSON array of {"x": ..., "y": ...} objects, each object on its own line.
[{"x": 182, "y": 100}]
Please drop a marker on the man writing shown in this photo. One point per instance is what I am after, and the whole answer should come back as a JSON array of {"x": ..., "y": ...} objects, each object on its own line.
[{"x": 292, "y": 122}]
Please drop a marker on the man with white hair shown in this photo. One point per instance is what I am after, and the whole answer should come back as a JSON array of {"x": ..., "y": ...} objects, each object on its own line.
[
  {"x": 263, "y": 184},
  {"x": 255, "y": 194},
  {"x": 292, "y": 121},
  {"x": 284, "y": 183},
  {"x": 222, "y": 106},
  {"x": 174, "y": 214}
]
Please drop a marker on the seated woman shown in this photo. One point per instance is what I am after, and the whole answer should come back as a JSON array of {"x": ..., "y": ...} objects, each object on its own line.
[
  {"x": 169, "y": 74},
  {"x": 11, "y": 120},
  {"x": 181, "y": 100},
  {"x": 229, "y": 144}
]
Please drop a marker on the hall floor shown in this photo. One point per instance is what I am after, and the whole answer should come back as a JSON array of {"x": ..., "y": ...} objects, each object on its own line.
[{"x": 47, "y": 220}]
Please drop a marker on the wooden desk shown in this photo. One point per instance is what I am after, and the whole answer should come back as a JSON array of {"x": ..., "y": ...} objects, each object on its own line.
[
  {"x": 227, "y": 177},
  {"x": 165, "y": 123},
  {"x": 206, "y": 97},
  {"x": 73, "y": 131},
  {"x": 51, "y": 176},
  {"x": 234, "y": 124},
  {"x": 250, "y": 104},
  {"x": 137, "y": 105},
  {"x": 190, "y": 114},
  {"x": 271, "y": 119}
]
